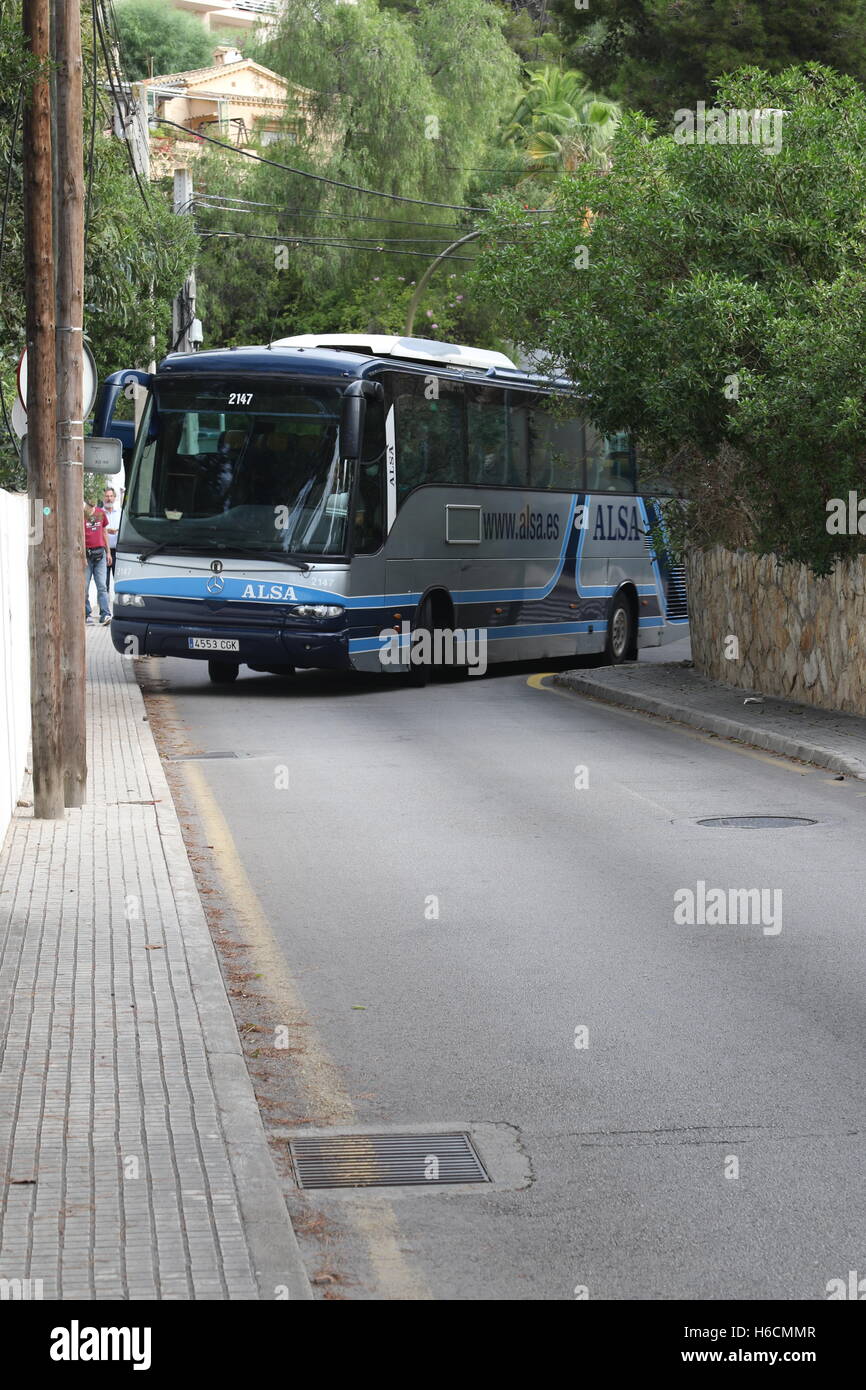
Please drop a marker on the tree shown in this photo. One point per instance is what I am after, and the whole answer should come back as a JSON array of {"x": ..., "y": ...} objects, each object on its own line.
[
  {"x": 16, "y": 71},
  {"x": 711, "y": 299},
  {"x": 152, "y": 31},
  {"x": 659, "y": 56},
  {"x": 128, "y": 295},
  {"x": 559, "y": 123},
  {"x": 412, "y": 99},
  {"x": 527, "y": 27},
  {"x": 136, "y": 253},
  {"x": 406, "y": 103}
]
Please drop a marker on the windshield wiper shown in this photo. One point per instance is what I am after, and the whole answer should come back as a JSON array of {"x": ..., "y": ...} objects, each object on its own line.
[
  {"x": 154, "y": 550},
  {"x": 250, "y": 552},
  {"x": 303, "y": 566}
]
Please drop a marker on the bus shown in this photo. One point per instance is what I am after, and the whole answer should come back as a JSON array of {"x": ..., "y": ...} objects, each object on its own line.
[{"x": 328, "y": 500}]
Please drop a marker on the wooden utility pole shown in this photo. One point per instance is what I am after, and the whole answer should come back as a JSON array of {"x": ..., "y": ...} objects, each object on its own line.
[
  {"x": 68, "y": 131},
  {"x": 48, "y": 800}
]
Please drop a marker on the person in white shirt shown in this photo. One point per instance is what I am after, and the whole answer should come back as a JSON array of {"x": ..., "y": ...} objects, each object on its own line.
[{"x": 112, "y": 509}]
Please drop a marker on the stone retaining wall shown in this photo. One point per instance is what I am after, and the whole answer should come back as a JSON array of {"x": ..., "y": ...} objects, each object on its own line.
[{"x": 799, "y": 637}]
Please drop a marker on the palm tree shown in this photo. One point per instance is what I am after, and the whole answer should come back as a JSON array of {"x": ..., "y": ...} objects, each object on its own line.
[
  {"x": 559, "y": 123},
  {"x": 549, "y": 88}
]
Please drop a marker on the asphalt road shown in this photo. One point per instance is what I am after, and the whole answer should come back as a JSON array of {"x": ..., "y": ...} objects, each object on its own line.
[{"x": 556, "y": 911}]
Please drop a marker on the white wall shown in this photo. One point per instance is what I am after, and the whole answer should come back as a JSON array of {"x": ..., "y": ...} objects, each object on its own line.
[{"x": 14, "y": 651}]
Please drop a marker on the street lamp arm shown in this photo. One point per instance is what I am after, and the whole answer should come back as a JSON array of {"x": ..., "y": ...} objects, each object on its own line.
[{"x": 422, "y": 283}]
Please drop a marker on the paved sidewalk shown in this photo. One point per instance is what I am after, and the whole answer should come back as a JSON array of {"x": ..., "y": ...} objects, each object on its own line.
[
  {"x": 133, "y": 1161},
  {"x": 676, "y": 691}
]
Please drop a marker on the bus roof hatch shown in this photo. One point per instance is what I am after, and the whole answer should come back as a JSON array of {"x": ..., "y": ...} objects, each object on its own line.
[{"x": 410, "y": 349}]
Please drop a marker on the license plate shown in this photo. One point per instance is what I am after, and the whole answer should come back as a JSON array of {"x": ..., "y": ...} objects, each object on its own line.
[{"x": 214, "y": 644}]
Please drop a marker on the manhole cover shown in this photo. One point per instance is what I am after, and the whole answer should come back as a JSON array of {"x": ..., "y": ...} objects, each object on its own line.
[
  {"x": 756, "y": 822},
  {"x": 385, "y": 1160}
]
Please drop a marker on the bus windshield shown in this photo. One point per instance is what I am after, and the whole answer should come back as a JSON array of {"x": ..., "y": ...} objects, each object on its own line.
[{"x": 256, "y": 469}]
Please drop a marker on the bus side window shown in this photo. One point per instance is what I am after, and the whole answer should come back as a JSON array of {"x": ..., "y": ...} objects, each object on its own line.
[
  {"x": 429, "y": 432},
  {"x": 608, "y": 461},
  {"x": 369, "y": 509},
  {"x": 519, "y": 406},
  {"x": 556, "y": 451},
  {"x": 487, "y": 436},
  {"x": 144, "y": 503}
]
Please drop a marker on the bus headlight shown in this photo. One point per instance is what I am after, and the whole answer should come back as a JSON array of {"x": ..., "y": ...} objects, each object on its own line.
[
  {"x": 316, "y": 610},
  {"x": 126, "y": 599}
]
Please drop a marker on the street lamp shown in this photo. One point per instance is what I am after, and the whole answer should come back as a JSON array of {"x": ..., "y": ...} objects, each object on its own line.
[{"x": 422, "y": 283}]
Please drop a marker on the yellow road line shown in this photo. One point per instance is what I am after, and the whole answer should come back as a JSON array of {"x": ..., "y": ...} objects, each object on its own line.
[
  {"x": 317, "y": 1073},
  {"x": 328, "y": 1099},
  {"x": 536, "y": 682}
]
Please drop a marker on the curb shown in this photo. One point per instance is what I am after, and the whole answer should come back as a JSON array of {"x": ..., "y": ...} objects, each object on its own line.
[
  {"x": 770, "y": 741},
  {"x": 271, "y": 1239}
]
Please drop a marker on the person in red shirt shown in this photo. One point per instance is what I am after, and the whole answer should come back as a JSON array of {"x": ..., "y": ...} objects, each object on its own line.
[{"x": 97, "y": 555}]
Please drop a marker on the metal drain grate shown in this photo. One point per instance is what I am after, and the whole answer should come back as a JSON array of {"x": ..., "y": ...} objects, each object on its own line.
[
  {"x": 385, "y": 1160},
  {"x": 755, "y": 822}
]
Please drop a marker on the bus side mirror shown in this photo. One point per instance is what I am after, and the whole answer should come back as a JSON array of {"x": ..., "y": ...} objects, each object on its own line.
[
  {"x": 352, "y": 425},
  {"x": 111, "y": 389},
  {"x": 352, "y": 414}
]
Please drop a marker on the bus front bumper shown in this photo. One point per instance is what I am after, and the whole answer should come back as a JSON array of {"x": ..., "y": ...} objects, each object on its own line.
[{"x": 262, "y": 649}]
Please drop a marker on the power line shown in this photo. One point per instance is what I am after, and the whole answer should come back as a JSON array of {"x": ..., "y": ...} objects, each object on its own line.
[
  {"x": 112, "y": 68},
  {"x": 321, "y": 178},
  {"x": 115, "y": 33},
  {"x": 315, "y": 212},
  {"x": 116, "y": 95},
  {"x": 482, "y": 169},
  {"x": 374, "y": 241},
  {"x": 313, "y": 241},
  {"x": 94, "y": 89}
]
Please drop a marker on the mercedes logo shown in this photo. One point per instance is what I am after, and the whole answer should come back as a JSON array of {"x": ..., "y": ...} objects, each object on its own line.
[{"x": 216, "y": 583}]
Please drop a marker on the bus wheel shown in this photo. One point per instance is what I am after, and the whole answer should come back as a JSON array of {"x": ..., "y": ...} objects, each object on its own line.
[
  {"x": 620, "y": 631},
  {"x": 223, "y": 672},
  {"x": 420, "y": 675}
]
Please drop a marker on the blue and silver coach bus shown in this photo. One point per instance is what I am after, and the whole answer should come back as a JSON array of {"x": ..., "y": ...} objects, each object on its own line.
[{"x": 295, "y": 505}]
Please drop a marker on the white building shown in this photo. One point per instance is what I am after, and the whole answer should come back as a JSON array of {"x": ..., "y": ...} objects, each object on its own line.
[{"x": 230, "y": 14}]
